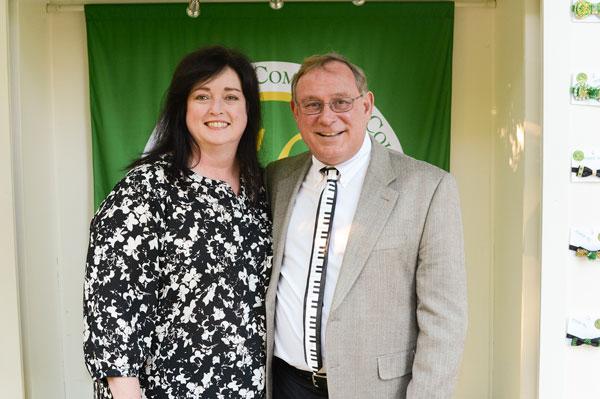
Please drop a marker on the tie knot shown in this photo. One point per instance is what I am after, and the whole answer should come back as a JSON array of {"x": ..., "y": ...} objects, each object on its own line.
[{"x": 331, "y": 173}]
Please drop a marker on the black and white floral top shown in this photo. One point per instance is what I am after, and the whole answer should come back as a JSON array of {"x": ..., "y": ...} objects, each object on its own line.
[{"x": 176, "y": 276}]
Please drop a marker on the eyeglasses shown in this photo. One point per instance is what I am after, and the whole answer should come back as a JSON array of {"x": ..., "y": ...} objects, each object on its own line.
[{"x": 343, "y": 104}]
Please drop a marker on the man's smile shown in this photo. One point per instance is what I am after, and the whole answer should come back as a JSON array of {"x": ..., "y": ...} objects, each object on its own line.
[{"x": 329, "y": 134}]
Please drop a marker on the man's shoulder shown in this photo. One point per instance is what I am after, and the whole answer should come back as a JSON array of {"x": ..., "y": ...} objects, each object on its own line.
[{"x": 406, "y": 165}]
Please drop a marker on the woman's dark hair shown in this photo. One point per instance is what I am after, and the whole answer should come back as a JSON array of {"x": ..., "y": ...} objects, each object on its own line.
[{"x": 172, "y": 134}]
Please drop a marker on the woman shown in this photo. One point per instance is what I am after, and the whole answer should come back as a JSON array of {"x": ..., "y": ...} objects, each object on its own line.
[{"x": 180, "y": 250}]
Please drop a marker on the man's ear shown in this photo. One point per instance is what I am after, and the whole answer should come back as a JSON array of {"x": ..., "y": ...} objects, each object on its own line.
[
  {"x": 294, "y": 108},
  {"x": 368, "y": 103}
]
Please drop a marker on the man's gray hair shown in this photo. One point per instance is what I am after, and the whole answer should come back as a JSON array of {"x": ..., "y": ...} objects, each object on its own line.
[{"x": 320, "y": 60}]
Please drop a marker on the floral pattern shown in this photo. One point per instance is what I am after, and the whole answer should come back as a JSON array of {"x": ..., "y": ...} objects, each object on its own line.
[{"x": 176, "y": 276}]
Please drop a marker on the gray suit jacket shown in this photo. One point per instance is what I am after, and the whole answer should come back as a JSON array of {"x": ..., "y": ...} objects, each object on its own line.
[{"x": 398, "y": 318}]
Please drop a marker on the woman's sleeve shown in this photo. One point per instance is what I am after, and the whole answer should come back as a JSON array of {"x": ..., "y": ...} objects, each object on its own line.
[{"x": 122, "y": 280}]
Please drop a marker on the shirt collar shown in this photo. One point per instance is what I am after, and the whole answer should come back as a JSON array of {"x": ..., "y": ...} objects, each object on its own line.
[{"x": 347, "y": 169}]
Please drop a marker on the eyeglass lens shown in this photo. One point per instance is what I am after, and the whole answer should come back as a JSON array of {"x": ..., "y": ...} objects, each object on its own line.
[{"x": 336, "y": 105}]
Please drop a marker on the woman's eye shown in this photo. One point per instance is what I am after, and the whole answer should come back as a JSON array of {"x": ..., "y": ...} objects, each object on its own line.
[
  {"x": 231, "y": 98},
  {"x": 202, "y": 97}
]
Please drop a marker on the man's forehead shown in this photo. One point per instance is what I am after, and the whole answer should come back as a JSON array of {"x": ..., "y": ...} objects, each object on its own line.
[
  {"x": 334, "y": 79},
  {"x": 314, "y": 96},
  {"x": 331, "y": 67}
]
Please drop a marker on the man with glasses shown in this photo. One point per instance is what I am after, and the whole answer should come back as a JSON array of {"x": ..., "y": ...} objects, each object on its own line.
[{"x": 368, "y": 295}]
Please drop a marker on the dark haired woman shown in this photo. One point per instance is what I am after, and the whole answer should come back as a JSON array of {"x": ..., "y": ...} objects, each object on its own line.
[{"x": 180, "y": 250}]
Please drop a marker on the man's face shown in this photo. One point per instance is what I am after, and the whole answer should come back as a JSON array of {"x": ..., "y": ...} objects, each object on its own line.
[{"x": 332, "y": 137}]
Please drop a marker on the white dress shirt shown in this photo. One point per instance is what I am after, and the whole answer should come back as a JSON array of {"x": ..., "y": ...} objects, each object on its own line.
[{"x": 289, "y": 331}]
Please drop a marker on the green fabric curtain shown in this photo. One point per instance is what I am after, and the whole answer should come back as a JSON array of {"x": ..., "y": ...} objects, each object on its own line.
[{"x": 405, "y": 49}]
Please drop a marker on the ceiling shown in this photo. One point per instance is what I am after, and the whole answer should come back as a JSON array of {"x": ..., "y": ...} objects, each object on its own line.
[{"x": 459, "y": 3}]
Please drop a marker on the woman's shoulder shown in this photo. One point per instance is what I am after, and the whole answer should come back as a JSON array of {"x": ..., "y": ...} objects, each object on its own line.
[
  {"x": 143, "y": 183},
  {"x": 155, "y": 172}
]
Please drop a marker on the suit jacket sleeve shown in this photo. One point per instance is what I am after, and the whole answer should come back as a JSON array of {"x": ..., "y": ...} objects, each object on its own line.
[{"x": 441, "y": 298}]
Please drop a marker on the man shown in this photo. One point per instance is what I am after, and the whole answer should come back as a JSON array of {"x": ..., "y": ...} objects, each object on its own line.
[{"x": 375, "y": 306}]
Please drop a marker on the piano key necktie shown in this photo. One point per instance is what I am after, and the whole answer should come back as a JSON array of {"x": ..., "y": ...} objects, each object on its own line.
[{"x": 315, "y": 286}]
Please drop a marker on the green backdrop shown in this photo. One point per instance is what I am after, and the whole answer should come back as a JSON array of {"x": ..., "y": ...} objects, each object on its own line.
[{"x": 405, "y": 49}]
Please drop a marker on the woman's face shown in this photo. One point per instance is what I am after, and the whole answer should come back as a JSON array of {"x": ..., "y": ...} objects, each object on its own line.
[{"x": 216, "y": 112}]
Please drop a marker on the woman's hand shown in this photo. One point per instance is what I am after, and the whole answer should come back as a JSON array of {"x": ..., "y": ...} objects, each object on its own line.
[{"x": 125, "y": 387}]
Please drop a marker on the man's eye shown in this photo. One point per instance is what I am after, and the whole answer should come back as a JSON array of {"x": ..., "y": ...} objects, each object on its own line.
[
  {"x": 340, "y": 102},
  {"x": 313, "y": 105}
]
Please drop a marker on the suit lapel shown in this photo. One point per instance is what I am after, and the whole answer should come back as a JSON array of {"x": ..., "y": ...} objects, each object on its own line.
[
  {"x": 376, "y": 202},
  {"x": 282, "y": 203}
]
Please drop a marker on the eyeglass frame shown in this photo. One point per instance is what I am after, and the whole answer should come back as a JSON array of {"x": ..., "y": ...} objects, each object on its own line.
[{"x": 352, "y": 100}]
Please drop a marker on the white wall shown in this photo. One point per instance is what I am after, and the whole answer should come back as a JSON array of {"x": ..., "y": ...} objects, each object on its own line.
[
  {"x": 36, "y": 156},
  {"x": 569, "y": 285},
  {"x": 11, "y": 373},
  {"x": 71, "y": 124},
  {"x": 516, "y": 199},
  {"x": 471, "y": 164},
  {"x": 53, "y": 194},
  {"x": 33, "y": 159},
  {"x": 582, "y": 277}
]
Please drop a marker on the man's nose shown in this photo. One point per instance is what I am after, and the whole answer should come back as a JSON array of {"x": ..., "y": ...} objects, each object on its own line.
[{"x": 327, "y": 116}]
